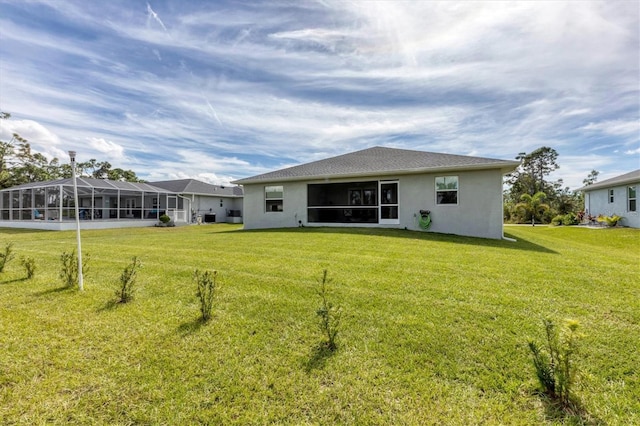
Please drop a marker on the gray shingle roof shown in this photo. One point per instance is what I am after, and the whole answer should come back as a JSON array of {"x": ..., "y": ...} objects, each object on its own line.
[
  {"x": 193, "y": 186},
  {"x": 630, "y": 177},
  {"x": 381, "y": 161}
]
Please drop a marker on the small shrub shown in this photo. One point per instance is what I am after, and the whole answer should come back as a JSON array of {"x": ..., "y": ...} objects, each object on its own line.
[
  {"x": 554, "y": 363},
  {"x": 570, "y": 219},
  {"x": 609, "y": 220},
  {"x": 29, "y": 265},
  {"x": 6, "y": 256},
  {"x": 557, "y": 220},
  {"x": 69, "y": 269},
  {"x": 165, "y": 218},
  {"x": 328, "y": 313},
  {"x": 207, "y": 285},
  {"x": 127, "y": 281}
]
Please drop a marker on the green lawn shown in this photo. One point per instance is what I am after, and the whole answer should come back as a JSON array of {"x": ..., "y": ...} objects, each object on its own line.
[{"x": 434, "y": 327}]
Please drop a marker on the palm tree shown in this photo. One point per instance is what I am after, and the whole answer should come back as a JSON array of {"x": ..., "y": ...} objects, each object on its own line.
[{"x": 533, "y": 205}]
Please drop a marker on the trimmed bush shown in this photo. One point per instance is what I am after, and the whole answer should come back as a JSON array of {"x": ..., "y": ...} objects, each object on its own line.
[
  {"x": 570, "y": 219},
  {"x": 557, "y": 220}
]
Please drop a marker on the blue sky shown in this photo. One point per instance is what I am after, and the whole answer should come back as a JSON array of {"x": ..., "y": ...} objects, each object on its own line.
[{"x": 218, "y": 90}]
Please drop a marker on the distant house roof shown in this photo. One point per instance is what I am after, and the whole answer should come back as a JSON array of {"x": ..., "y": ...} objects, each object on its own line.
[
  {"x": 93, "y": 183},
  {"x": 630, "y": 177},
  {"x": 381, "y": 161},
  {"x": 193, "y": 186}
]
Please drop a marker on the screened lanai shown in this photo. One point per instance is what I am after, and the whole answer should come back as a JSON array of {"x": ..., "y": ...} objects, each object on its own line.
[{"x": 100, "y": 201}]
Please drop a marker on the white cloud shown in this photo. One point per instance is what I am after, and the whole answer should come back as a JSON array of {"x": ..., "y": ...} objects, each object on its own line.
[
  {"x": 633, "y": 152},
  {"x": 615, "y": 127},
  {"x": 113, "y": 150},
  {"x": 151, "y": 14},
  {"x": 34, "y": 132}
]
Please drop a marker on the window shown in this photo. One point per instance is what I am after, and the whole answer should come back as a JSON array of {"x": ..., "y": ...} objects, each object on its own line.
[
  {"x": 447, "y": 190},
  {"x": 273, "y": 196},
  {"x": 631, "y": 196},
  {"x": 611, "y": 196}
]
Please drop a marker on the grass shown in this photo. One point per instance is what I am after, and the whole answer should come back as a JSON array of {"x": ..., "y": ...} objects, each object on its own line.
[{"x": 434, "y": 328}]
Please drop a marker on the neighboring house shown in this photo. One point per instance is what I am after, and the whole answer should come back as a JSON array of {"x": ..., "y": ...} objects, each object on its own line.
[
  {"x": 105, "y": 203},
  {"x": 383, "y": 187},
  {"x": 618, "y": 195},
  {"x": 210, "y": 203}
]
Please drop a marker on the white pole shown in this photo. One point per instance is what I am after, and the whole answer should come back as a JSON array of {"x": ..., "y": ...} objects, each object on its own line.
[{"x": 72, "y": 155}]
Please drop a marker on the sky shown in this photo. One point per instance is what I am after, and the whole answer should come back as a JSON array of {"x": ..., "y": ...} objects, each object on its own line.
[{"x": 222, "y": 90}]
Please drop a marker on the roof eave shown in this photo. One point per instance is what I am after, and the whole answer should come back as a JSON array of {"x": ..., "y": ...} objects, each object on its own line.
[{"x": 604, "y": 185}]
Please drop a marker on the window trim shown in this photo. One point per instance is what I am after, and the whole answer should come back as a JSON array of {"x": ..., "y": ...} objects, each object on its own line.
[{"x": 457, "y": 190}]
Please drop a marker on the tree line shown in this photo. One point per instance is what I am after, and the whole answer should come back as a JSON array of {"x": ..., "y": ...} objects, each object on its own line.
[
  {"x": 20, "y": 165},
  {"x": 531, "y": 197}
]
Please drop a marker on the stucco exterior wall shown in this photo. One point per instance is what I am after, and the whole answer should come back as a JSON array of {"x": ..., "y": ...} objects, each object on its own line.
[
  {"x": 215, "y": 205},
  {"x": 596, "y": 202},
  {"x": 478, "y": 212}
]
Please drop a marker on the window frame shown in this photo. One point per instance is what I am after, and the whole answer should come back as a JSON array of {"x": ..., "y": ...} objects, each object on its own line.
[
  {"x": 631, "y": 199},
  {"x": 456, "y": 190},
  {"x": 392, "y": 205},
  {"x": 273, "y": 201}
]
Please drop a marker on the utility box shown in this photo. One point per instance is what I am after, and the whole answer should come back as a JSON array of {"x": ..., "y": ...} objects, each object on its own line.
[{"x": 209, "y": 218}]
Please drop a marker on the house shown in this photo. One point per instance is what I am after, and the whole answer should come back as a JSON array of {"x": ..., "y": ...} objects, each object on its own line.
[
  {"x": 618, "y": 195},
  {"x": 383, "y": 187},
  {"x": 104, "y": 203},
  {"x": 210, "y": 203}
]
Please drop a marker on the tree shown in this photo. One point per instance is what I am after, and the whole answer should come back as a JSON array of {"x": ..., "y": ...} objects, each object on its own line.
[
  {"x": 19, "y": 165},
  {"x": 566, "y": 201},
  {"x": 533, "y": 205},
  {"x": 591, "y": 178},
  {"x": 99, "y": 170},
  {"x": 529, "y": 178}
]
